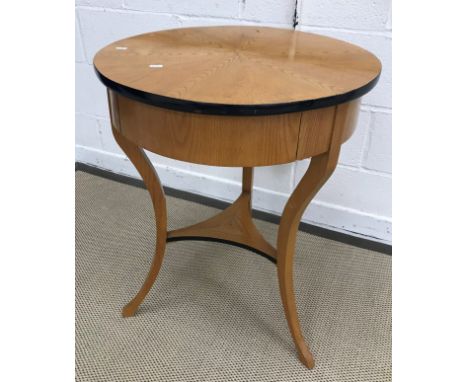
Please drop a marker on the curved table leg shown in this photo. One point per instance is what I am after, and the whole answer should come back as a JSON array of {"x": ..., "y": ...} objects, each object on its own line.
[
  {"x": 319, "y": 171},
  {"x": 139, "y": 159}
]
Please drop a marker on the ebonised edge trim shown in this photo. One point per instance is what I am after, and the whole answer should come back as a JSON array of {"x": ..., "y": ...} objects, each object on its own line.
[
  {"x": 326, "y": 233},
  {"x": 239, "y": 110},
  {"x": 216, "y": 240}
]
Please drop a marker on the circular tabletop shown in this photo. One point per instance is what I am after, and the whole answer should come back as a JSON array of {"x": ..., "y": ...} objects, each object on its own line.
[{"x": 237, "y": 70}]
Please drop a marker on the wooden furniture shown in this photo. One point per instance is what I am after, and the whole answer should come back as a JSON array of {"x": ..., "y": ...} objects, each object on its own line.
[{"x": 243, "y": 97}]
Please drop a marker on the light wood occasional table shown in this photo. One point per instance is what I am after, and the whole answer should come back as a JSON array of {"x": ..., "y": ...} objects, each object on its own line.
[{"x": 239, "y": 97}]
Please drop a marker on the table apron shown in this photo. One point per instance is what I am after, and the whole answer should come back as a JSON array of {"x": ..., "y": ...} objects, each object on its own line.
[{"x": 231, "y": 141}]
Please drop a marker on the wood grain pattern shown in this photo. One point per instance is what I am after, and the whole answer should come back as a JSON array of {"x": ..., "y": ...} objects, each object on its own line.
[
  {"x": 208, "y": 139},
  {"x": 236, "y": 141},
  {"x": 347, "y": 116},
  {"x": 315, "y": 132},
  {"x": 236, "y": 66}
]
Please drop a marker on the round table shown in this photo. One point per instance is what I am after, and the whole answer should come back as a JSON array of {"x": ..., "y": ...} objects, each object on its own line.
[{"x": 242, "y": 97}]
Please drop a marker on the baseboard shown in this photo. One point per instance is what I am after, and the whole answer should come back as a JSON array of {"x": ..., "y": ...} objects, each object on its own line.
[
  {"x": 347, "y": 220},
  {"x": 360, "y": 242}
]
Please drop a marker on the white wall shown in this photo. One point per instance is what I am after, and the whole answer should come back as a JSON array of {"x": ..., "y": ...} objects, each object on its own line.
[{"x": 356, "y": 199}]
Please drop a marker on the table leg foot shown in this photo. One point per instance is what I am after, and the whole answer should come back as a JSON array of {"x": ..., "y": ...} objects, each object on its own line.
[
  {"x": 320, "y": 169},
  {"x": 141, "y": 162},
  {"x": 129, "y": 310}
]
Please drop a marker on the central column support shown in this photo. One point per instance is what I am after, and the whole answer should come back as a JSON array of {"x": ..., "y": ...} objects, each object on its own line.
[{"x": 233, "y": 226}]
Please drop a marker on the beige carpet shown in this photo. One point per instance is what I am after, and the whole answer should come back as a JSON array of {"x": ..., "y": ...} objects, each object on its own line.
[{"x": 215, "y": 313}]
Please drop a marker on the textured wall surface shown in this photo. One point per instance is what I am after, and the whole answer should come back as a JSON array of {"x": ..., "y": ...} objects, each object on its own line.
[{"x": 356, "y": 199}]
